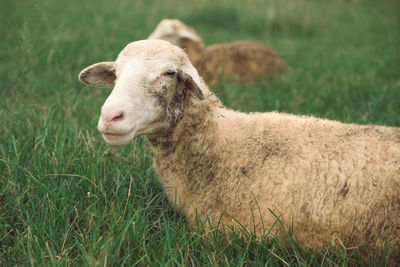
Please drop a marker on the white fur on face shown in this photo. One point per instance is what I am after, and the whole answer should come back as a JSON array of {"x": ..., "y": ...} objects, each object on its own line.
[
  {"x": 131, "y": 98},
  {"x": 139, "y": 102}
]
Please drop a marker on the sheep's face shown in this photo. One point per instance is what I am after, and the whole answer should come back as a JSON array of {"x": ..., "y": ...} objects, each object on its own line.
[
  {"x": 175, "y": 32},
  {"x": 152, "y": 83}
]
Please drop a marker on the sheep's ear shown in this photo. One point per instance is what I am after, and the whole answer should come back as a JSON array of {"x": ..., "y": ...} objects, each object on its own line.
[
  {"x": 190, "y": 85},
  {"x": 100, "y": 74},
  {"x": 189, "y": 34}
]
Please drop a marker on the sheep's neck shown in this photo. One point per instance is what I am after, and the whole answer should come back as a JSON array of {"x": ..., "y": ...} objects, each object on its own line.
[
  {"x": 185, "y": 149},
  {"x": 195, "y": 129},
  {"x": 195, "y": 115},
  {"x": 193, "y": 49}
]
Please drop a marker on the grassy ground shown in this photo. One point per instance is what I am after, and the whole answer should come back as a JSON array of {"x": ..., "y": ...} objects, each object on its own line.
[{"x": 67, "y": 198}]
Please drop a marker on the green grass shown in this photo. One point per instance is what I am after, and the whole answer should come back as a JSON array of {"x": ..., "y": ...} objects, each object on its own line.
[{"x": 67, "y": 198}]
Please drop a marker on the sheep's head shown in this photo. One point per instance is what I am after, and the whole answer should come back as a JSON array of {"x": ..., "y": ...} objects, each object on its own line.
[
  {"x": 175, "y": 32},
  {"x": 153, "y": 80}
]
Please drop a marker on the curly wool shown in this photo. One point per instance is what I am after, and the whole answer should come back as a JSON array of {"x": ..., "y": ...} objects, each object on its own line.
[{"x": 325, "y": 178}]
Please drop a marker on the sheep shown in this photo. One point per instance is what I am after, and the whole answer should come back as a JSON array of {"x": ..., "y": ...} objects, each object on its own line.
[
  {"x": 240, "y": 61},
  {"x": 226, "y": 169}
]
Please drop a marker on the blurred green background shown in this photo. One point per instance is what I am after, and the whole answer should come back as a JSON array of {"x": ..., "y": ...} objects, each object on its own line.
[{"x": 67, "y": 198}]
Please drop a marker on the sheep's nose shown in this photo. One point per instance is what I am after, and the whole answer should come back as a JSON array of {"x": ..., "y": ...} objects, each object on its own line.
[{"x": 111, "y": 115}]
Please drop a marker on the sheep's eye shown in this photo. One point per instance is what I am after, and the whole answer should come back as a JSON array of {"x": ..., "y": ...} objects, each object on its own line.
[{"x": 170, "y": 73}]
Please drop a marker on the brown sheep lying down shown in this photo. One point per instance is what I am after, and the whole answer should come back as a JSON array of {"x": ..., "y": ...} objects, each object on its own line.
[
  {"x": 327, "y": 179},
  {"x": 242, "y": 61}
]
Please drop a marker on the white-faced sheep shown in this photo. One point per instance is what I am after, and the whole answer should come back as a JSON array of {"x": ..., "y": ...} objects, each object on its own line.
[
  {"x": 324, "y": 177},
  {"x": 241, "y": 61}
]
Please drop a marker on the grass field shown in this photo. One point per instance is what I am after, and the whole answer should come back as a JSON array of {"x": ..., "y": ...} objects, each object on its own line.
[{"x": 68, "y": 198}]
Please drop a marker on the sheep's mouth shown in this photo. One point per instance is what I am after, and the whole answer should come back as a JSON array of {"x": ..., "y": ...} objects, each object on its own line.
[
  {"x": 112, "y": 135},
  {"x": 118, "y": 138}
]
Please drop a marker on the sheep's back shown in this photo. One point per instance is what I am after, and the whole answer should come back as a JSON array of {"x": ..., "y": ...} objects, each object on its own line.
[
  {"x": 242, "y": 61},
  {"x": 314, "y": 171}
]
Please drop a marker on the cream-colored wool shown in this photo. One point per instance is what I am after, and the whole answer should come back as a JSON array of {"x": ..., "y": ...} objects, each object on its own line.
[
  {"x": 241, "y": 61},
  {"x": 328, "y": 179}
]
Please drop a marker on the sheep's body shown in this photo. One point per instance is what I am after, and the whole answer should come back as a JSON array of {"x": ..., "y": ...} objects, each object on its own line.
[
  {"x": 242, "y": 61},
  {"x": 238, "y": 61},
  {"x": 323, "y": 177}
]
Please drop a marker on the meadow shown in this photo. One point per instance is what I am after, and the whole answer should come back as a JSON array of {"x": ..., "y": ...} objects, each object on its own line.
[{"x": 69, "y": 199}]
